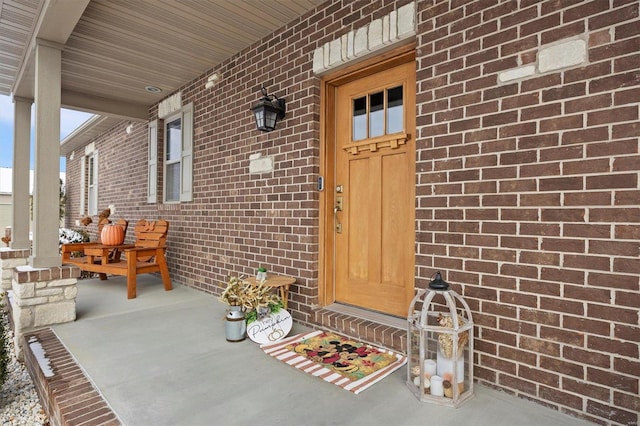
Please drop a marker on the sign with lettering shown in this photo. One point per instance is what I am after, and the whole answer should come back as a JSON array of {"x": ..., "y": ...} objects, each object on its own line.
[{"x": 271, "y": 328}]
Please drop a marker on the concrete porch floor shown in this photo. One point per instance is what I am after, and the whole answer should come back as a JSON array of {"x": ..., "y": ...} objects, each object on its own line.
[{"x": 162, "y": 359}]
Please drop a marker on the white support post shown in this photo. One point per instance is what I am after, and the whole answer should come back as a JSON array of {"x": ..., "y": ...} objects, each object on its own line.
[
  {"x": 20, "y": 191},
  {"x": 46, "y": 188}
]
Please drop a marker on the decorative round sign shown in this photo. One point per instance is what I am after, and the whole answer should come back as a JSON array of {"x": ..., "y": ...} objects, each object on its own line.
[{"x": 271, "y": 328}]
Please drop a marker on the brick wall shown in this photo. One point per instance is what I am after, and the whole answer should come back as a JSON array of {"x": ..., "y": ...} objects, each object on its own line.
[
  {"x": 529, "y": 194},
  {"x": 527, "y": 188}
]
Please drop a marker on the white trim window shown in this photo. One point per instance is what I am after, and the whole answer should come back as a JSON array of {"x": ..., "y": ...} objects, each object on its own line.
[
  {"x": 92, "y": 183},
  {"x": 152, "y": 164},
  {"x": 178, "y": 156}
]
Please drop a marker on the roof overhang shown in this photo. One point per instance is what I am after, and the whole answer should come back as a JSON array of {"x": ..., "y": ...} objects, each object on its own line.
[{"x": 113, "y": 50}]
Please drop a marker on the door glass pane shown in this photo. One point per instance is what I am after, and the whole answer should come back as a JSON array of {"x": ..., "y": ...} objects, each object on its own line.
[
  {"x": 395, "y": 111},
  {"x": 174, "y": 140},
  {"x": 360, "y": 118},
  {"x": 376, "y": 119},
  {"x": 173, "y": 182}
]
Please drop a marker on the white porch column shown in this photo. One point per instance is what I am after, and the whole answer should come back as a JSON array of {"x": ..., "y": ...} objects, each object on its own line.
[
  {"x": 46, "y": 189},
  {"x": 20, "y": 191}
]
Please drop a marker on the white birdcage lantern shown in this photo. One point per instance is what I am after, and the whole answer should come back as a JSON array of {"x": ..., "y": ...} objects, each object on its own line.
[{"x": 440, "y": 345}]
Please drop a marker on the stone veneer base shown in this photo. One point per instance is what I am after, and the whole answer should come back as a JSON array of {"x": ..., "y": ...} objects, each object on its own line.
[{"x": 67, "y": 396}]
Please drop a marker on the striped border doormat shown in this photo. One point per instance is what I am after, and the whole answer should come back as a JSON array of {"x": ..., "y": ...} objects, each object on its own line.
[{"x": 336, "y": 359}]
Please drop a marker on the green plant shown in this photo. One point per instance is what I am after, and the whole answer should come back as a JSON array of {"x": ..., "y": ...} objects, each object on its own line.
[{"x": 274, "y": 307}]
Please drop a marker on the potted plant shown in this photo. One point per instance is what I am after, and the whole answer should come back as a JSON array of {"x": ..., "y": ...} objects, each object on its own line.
[
  {"x": 247, "y": 303},
  {"x": 261, "y": 301},
  {"x": 235, "y": 326}
]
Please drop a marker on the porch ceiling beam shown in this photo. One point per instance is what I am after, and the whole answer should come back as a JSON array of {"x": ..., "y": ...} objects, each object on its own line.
[
  {"x": 55, "y": 23},
  {"x": 104, "y": 106}
]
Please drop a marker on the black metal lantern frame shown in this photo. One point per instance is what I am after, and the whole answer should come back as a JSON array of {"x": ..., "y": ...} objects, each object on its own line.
[{"x": 267, "y": 111}]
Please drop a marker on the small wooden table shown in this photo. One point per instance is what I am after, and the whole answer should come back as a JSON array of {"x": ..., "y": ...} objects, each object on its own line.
[
  {"x": 276, "y": 281},
  {"x": 107, "y": 254}
]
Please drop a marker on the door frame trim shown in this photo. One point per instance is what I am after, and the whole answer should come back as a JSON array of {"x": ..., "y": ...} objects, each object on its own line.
[{"x": 328, "y": 85}]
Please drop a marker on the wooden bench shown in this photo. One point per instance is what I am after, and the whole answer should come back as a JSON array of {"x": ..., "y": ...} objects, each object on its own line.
[{"x": 145, "y": 256}]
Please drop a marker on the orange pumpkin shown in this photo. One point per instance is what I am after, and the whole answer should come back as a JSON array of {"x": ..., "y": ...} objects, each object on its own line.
[{"x": 112, "y": 235}]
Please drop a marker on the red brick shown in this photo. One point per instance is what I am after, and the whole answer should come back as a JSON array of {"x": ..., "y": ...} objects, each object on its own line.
[
  {"x": 626, "y": 63},
  {"x": 519, "y": 45},
  {"x": 542, "y": 169},
  {"x": 613, "y": 17},
  {"x": 615, "y": 215},
  {"x": 588, "y": 72},
  {"x": 614, "y": 82},
  {"x": 539, "y": 25},
  {"x": 546, "y": 110},
  {"x": 614, "y": 50},
  {"x": 559, "y": 184},
  {"x": 617, "y": 416},
  {"x": 626, "y": 332},
  {"x": 562, "y": 153},
  {"x": 587, "y": 357},
  {"x": 583, "y": 11},
  {"x": 615, "y": 248},
  {"x": 592, "y": 262},
  {"x": 599, "y": 38},
  {"x": 587, "y": 135},
  {"x": 612, "y": 115},
  {"x": 627, "y": 96},
  {"x": 600, "y": 165},
  {"x": 587, "y": 389},
  {"x": 614, "y": 181},
  {"x": 562, "y": 32},
  {"x": 562, "y": 306},
  {"x": 587, "y": 230},
  {"x": 589, "y": 103},
  {"x": 626, "y": 130},
  {"x": 612, "y": 313}
]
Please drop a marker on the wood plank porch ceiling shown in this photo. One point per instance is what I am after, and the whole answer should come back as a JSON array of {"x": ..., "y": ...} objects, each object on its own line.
[{"x": 118, "y": 47}]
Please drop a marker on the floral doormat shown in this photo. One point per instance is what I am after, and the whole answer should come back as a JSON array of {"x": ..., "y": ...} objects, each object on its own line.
[{"x": 345, "y": 362}]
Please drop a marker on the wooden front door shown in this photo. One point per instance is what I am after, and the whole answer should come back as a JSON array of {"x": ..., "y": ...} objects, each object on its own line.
[{"x": 374, "y": 192}]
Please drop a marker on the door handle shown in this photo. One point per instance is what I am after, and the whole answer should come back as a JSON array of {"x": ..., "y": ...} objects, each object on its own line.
[{"x": 337, "y": 220}]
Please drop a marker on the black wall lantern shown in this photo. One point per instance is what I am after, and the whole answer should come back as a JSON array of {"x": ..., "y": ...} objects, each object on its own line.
[{"x": 268, "y": 111}]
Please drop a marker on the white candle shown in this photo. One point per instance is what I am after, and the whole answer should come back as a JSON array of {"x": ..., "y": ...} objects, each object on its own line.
[
  {"x": 445, "y": 365},
  {"x": 436, "y": 386},
  {"x": 429, "y": 367}
]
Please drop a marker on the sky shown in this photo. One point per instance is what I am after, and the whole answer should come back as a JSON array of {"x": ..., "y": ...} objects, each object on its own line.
[{"x": 69, "y": 121}]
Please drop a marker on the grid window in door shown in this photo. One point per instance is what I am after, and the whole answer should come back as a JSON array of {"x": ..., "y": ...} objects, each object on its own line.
[{"x": 377, "y": 114}]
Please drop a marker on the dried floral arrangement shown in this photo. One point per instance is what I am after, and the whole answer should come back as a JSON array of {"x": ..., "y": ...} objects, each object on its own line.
[
  {"x": 445, "y": 339},
  {"x": 250, "y": 296}
]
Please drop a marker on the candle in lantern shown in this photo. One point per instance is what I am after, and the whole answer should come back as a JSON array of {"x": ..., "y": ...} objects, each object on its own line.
[
  {"x": 437, "y": 388},
  {"x": 445, "y": 365},
  {"x": 429, "y": 367}
]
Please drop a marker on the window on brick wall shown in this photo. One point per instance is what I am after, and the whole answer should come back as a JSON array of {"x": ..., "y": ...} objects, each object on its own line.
[
  {"x": 152, "y": 164},
  {"x": 178, "y": 156},
  {"x": 89, "y": 177}
]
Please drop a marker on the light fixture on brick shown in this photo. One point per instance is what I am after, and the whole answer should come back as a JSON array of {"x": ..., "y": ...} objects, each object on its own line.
[{"x": 267, "y": 111}]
